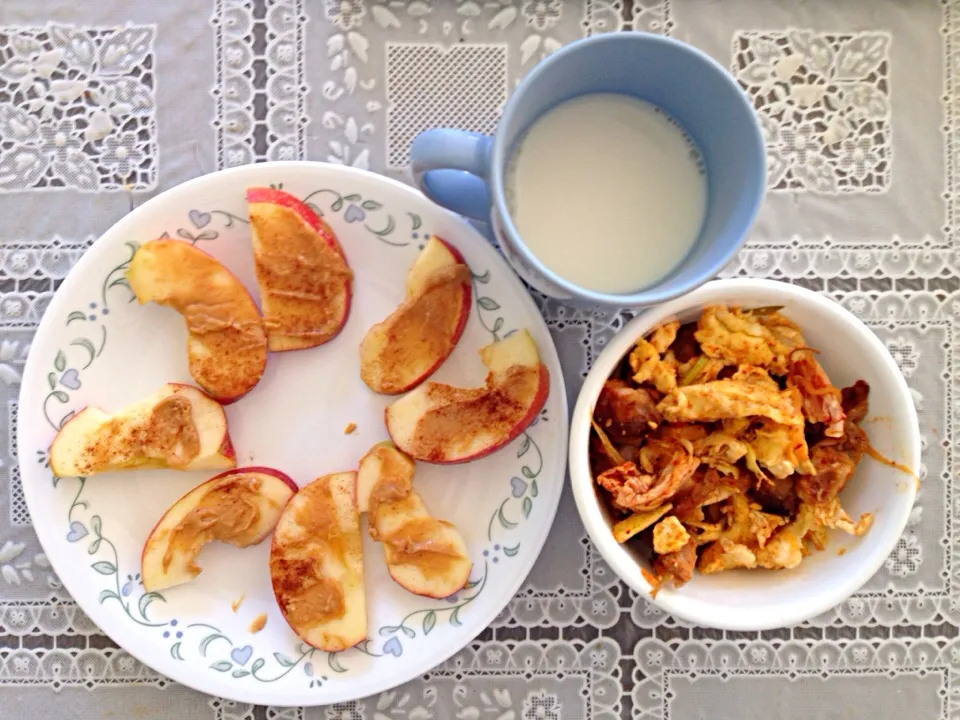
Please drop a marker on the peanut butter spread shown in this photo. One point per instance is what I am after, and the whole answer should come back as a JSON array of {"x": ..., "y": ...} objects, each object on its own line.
[
  {"x": 301, "y": 276},
  {"x": 463, "y": 412},
  {"x": 167, "y": 436},
  {"x": 417, "y": 334},
  {"x": 306, "y": 596},
  {"x": 258, "y": 623},
  {"x": 227, "y": 512},
  {"x": 394, "y": 484},
  {"x": 419, "y": 542},
  {"x": 229, "y": 351},
  {"x": 228, "y": 345}
]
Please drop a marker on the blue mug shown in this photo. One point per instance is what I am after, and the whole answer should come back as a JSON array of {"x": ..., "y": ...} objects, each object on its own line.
[{"x": 465, "y": 171}]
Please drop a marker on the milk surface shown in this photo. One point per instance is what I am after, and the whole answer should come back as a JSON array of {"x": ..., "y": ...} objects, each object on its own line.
[{"x": 608, "y": 192}]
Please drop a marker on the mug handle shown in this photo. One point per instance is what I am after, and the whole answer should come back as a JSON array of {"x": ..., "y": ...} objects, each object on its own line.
[{"x": 451, "y": 168}]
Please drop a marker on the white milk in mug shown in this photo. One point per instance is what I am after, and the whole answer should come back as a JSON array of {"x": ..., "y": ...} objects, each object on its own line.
[{"x": 608, "y": 192}]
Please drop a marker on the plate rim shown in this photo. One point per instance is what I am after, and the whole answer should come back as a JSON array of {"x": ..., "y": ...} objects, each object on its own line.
[{"x": 266, "y": 695}]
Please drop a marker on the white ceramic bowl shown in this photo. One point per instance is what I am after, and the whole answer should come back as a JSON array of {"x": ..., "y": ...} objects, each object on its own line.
[{"x": 762, "y": 599}]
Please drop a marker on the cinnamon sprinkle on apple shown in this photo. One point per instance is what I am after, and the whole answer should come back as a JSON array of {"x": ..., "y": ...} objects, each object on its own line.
[
  {"x": 235, "y": 605},
  {"x": 258, "y": 623},
  {"x": 349, "y": 428}
]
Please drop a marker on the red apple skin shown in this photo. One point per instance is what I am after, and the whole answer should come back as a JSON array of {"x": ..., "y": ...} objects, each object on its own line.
[
  {"x": 283, "y": 477},
  {"x": 423, "y": 594},
  {"x": 227, "y": 449},
  {"x": 457, "y": 333},
  {"x": 543, "y": 390},
  {"x": 285, "y": 199},
  {"x": 465, "y": 306},
  {"x": 458, "y": 256},
  {"x": 467, "y": 299}
]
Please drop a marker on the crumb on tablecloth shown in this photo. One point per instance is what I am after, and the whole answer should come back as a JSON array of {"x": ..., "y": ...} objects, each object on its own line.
[
  {"x": 258, "y": 623},
  {"x": 349, "y": 428},
  {"x": 235, "y": 605}
]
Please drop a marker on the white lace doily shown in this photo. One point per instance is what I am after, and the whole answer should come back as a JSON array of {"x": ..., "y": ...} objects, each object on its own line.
[{"x": 103, "y": 104}]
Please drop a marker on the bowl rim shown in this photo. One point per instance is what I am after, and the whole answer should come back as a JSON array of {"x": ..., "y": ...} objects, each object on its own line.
[{"x": 588, "y": 503}]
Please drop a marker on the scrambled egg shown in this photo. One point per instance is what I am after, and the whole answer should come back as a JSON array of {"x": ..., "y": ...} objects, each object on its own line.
[{"x": 669, "y": 536}]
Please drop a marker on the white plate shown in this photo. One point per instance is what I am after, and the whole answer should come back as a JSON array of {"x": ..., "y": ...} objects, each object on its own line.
[{"x": 94, "y": 346}]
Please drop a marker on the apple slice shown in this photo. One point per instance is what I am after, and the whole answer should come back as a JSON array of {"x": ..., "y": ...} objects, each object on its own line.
[
  {"x": 239, "y": 507},
  {"x": 443, "y": 424},
  {"x": 403, "y": 350},
  {"x": 424, "y": 555},
  {"x": 387, "y": 469},
  {"x": 305, "y": 282},
  {"x": 178, "y": 426},
  {"x": 227, "y": 345},
  {"x": 316, "y": 564}
]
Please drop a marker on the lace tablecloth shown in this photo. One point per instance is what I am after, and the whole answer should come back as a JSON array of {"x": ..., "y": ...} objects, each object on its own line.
[{"x": 105, "y": 103}]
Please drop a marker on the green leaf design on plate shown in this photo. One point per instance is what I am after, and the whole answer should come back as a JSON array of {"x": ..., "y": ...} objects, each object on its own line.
[
  {"x": 76, "y": 315},
  {"x": 511, "y": 551},
  {"x": 257, "y": 664},
  {"x": 284, "y": 661},
  {"x": 534, "y": 490},
  {"x": 482, "y": 278},
  {"x": 352, "y": 197},
  {"x": 527, "y": 472},
  {"x": 60, "y": 361},
  {"x": 108, "y": 595},
  {"x": 175, "y": 652},
  {"x": 429, "y": 621},
  {"x": 508, "y": 524},
  {"x": 52, "y": 380},
  {"x": 527, "y": 507},
  {"x": 222, "y": 666},
  {"x": 389, "y": 228},
  {"x": 524, "y": 446},
  {"x": 96, "y": 525},
  {"x": 61, "y": 396},
  {"x": 104, "y": 568},
  {"x": 94, "y": 546},
  {"x": 455, "y": 617},
  {"x": 145, "y": 601},
  {"x": 370, "y": 205},
  {"x": 240, "y": 673},
  {"x": 337, "y": 205},
  {"x": 205, "y": 643},
  {"x": 488, "y": 303},
  {"x": 335, "y": 663}
]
